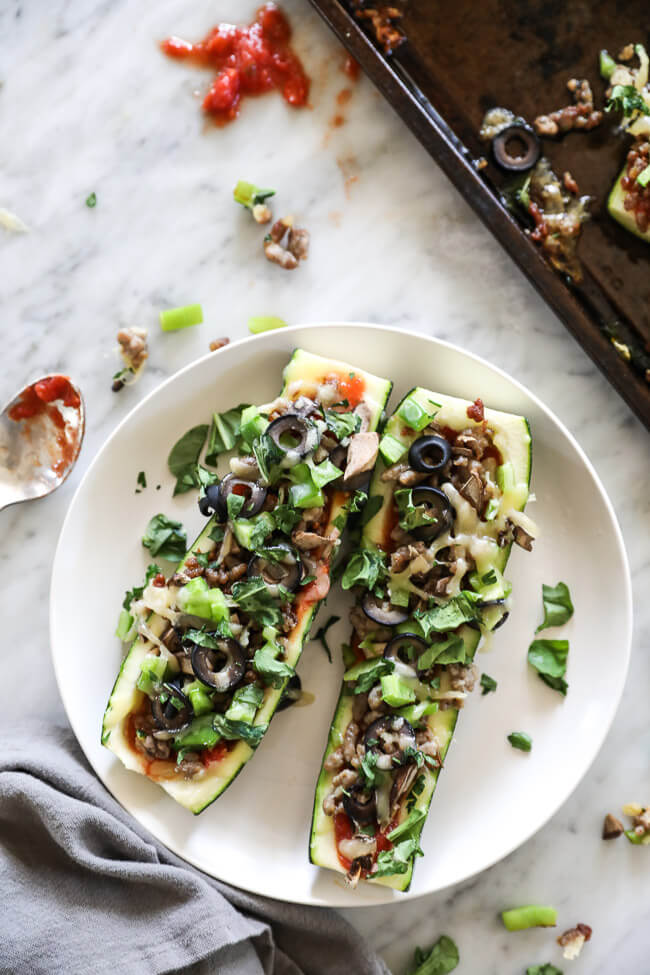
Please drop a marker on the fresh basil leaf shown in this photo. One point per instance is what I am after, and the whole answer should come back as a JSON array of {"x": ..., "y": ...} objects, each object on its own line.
[
  {"x": 273, "y": 671},
  {"x": 368, "y": 672},
  {"x": 165, "y": 537},
  {"x": 321, "y": 634},
  {"x": 357, "y": 502},
  {"x": 411, "y": 825},
  {"x": 234, "y": 730},
  {"x": 142, "y": 480},
  {"x": 558, "y": 608},
  {"x": 549, "y": 658},
  {"x": 450, "y": 615},
  {"x": 440, "y": 959},
  {"x": 224, "y": 433},
  {"x": 342, "y": 425},
  {"x": 546, "y": 969},
  {"x": 366, "y": 568},
  {"x": 368, "y": 770},
  {"x": 398, "y": 859},
  {"x": 412, "y": 516},
  {"x": 256, "y": 601},
  {"x": 267, "y": 454},
  {"x": 183, "y": 458},
  {"x": 489, "y": 578},
  {"x": 626, "y": 99},
  {"x": 488, "y": 684},
  {"x": 136, "y": 592},
  {"x": 216, "y": 533},
  {"x": 306, "y": 580},
  {"x": 234, "y": 504},
  {"x": 520, "y": 740},
  {"x": 208, "y": 638},
  {"x": 286, "y": 518}
]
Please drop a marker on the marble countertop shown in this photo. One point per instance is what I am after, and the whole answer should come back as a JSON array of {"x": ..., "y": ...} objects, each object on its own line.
[{"x": 90, "y": 105}]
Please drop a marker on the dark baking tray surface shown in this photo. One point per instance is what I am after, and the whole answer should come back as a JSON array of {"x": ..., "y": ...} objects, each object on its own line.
[{"x": 462, "y": 58}]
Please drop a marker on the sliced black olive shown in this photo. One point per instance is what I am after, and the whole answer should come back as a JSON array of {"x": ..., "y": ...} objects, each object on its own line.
[
  {"x": 402, "y": 644},
  {"x": 216, "y": 497},
  {"x": 516, "y": 148},
  {"x": 501, "y": 621},
  {"x": 295, "y": 435},
  {"x": 220, "y": 669},
  {"x": 382, "y": 612},
  {"x": 170, "y": 708},
  {"x": 485, "y": 603},
  {"x": 389, "y": 738},
  {"x": 286, "y": 571},
  {"x": 428, "y": 455},
  {"x": 291, "y": 693},
  {"x": 438, "y": 504},
  {"x": 360, "y": 805}
]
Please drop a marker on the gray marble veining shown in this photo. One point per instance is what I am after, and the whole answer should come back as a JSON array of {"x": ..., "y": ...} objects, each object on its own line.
[{"x": 88, "y": 103}]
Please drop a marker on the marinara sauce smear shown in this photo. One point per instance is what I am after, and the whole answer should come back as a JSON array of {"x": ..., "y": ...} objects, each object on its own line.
[{"x": 249, "y": 60}]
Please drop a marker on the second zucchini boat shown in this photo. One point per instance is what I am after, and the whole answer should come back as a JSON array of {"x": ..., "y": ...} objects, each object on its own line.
[
  {"x": 446, "y": 503},
  {"x": 218, "y": 642}
]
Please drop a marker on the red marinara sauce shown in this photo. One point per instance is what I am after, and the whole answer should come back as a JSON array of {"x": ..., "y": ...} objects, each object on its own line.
[
  {"x": 344, "y": 830},
  {"x": 477, "y": 410},
  {"x": 352, "y": 388},
  {"x": 249, "y": 60},
  {"x": 38, "y": 400}
]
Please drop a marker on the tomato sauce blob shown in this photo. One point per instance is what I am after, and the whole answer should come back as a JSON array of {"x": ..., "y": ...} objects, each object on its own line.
[
  {"x": 249, "y": 60},
  {"x": 352, "y": 388},
  {"x": 38, "y": 400}
]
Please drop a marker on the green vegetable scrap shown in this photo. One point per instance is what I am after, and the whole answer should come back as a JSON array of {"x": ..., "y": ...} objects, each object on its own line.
[
  {"x": 165, "y": 537},
  {"x": 265, "y": 323},
  {"x": 520, "y": 740},
  {"x": 558, "y": 608},
  {"x": 174, "y": 319},
  {"x": 530, "y": 916},
  {"x": 549, "y": 658},
  {"x": 441, "y": 958}
]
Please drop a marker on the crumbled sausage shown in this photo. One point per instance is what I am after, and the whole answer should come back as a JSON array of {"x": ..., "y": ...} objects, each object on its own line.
[
  {"x": 297, "y": 248},
  {"x": 350, "y": 741},
  {"x": 334, "y": 761},
  {"x": 217, "y": 344},
  {"x": 278, "y": 255},
  {"x": 581, "y": 115},
  {"x": 573, "y": 940}
]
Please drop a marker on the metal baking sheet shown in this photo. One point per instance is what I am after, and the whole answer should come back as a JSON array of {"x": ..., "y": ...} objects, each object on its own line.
[{"x": 460, "y": 59}]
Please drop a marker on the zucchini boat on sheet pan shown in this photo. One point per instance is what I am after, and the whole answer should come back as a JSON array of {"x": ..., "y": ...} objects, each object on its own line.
[
  {"x": 218, "y": 642},
  {"x": 445, "y": 505}
]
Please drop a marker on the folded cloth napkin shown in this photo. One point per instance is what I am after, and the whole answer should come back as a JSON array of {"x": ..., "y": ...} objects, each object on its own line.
[{"x": 85, "y": 889}]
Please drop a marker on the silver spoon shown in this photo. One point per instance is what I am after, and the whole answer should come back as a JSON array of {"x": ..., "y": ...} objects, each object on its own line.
[{"x": 41, "y": 430}]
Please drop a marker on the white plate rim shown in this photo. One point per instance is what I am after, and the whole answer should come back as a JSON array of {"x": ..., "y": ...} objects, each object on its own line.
[{"x": 626, "y": 583}]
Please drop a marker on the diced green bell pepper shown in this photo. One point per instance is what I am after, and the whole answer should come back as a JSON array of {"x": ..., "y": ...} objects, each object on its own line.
[
  {"x": 197, "y": 599},
  {"x": 391, "y": 449},
  {"x": 199, "y": 734},
  {"x": 152, "y": 673},
  {"x": 395, "y": 692},
  {"x": 246, "y": 700},
  {"x": 199, "y": 698}
]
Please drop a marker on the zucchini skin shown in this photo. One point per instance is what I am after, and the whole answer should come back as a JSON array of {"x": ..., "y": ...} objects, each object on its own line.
[
  {"x": 617, "y": 211},
  {"x": 124, "y": 698},
  {"x": 322, "y": 847}
]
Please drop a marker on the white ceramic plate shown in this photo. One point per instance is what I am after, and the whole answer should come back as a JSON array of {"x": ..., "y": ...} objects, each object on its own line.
[{"x": 490, "y": 798}]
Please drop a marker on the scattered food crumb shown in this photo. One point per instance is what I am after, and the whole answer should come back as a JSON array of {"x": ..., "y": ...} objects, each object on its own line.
[
  {"x": 640, "y": 815},
  {"x": 142, "y": 480},
  {"x": 349, "y": 170},
  {"x": 218, "y": 344},
  {"x": 570, "y": 183},
  {"x": 254, "y": 199},
  {"x": 351, "y": 68},
  {"x": 572, "y": 941},
  {"x": 612, "y": 827},
  {"x": 297, "y": 244},
  {"x": 134, "y": 352},
  {"x": 91, "y": 201},
  {"x": 383, "y": 21},
  {"x": 344, "y": 96},
  {"x": 12, "y": 223},
  {"x": 622, "y": 349},
  {"x": 581, "y": 115},
  {"x": 481, "y": 163},
  {"x": 158, "y": 487},
  {"x": 626, "y": 53}
]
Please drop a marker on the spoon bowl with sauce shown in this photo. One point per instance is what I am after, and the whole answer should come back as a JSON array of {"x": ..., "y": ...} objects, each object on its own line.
[{"x": 41, "y": 431}]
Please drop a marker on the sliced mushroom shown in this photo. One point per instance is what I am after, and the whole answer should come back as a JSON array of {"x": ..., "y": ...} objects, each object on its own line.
[
  {"x": 170, "y": 709},
  {"x": 404, "y": 779},
  {"x": 221, "y": 669},
  {"x": 472, "y": 490},
  {"x": 523, "y": 539},
  {"x": 362, "y": 455}
]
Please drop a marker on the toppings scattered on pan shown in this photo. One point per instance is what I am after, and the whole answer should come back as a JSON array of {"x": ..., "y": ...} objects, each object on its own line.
[
  {"x": 134, "y": 351},
  {"x": 450, "y": 485},
  {"x": 382, "y": 22},
  {"x": 639, "y": 832}
]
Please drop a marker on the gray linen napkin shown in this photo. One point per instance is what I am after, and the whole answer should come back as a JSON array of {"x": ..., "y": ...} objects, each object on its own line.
[{"x": 85, "y": 889}]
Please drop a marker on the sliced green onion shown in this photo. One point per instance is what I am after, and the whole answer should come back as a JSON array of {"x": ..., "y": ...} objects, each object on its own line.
[
  {"x": 250, "y": 195},
  {"x": 520, "y": 740},
  {"x": 644, "y": 177},
  {"x": 607, "y": 65},
  {"x": 173, "y": 319},
  {"x": 265, "y": 323},
  {"x": 530, "y": 916}
]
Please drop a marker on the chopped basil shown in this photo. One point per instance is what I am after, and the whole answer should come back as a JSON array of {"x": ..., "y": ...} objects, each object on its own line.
[
  {"x": 489, "y": 578},
  {"x": 91, "y": 201},
  {"x": 273, "y": 671},
  {"x": 165, "y": 537},
  {"x": 357, "y": 502},
  {"x": 549, "y": 658},
  {"x": 368, "y": 770},
  {"x": 216, "y": 533},
  {"x": 321, "y": 634},
  {"x": 285, "y": 518},
  {"x": 520, "y": 740},
  {"x": 255, "y": 599},
  {"x": 412, "y": 516},
  {"x": 488, "y": 684},
  {"x": 234, "y": 505},
  {"x": 546, "y": 969},
  {"x": 233, "y": 730},
  {"x": 307, "y": 580},
  {"x": 224, "y": 433},
  {"x": 365, "y": 568},
  {"x": 142, "y": 480},
  {"x": 342, "y": 425},
  {"x": 408, "y": 826},
  {"x": 558, "y": 608},
  {"x": 184, "y": 456},
  {"x": 440, "y": 959},
  {"x": 268, "y": 455},
  {"x": 398, "y": 859},
  {"x": 460, "y": 609},
  {"x": 626, "y": 99},
  {"x": 368, "y": 672},
  {"x": 449, "y": 651}
]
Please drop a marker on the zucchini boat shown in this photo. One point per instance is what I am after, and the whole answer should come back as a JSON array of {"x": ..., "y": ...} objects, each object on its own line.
[
  {"x": 219, "y": 641},
  {"x": 446, "y": 503},
  {"x": 629, "y": 200}
]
